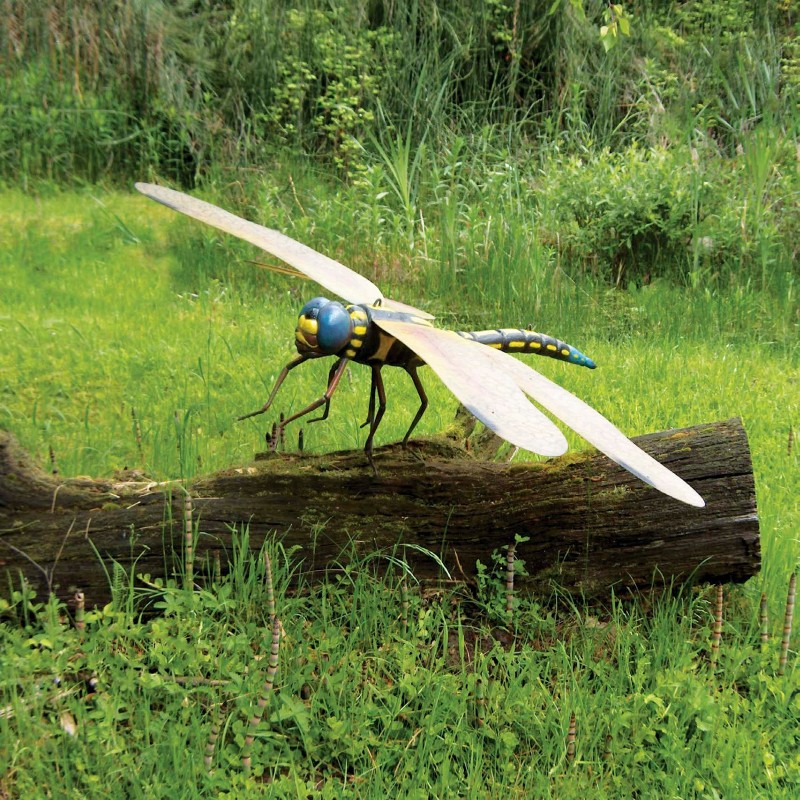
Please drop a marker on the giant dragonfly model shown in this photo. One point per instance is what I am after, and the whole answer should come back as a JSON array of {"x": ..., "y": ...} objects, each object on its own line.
[{"x": 376, "y": 331}]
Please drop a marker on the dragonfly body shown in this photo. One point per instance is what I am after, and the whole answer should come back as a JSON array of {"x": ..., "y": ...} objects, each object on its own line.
[
  {"x": 357, "y": 333},
  {"x": 477, "y": 367},
  {"x": 515, "y": 340},
  {"x": 367, "y": 343}
]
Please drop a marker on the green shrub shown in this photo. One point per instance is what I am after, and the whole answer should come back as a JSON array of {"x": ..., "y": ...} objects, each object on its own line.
[
  {"x": 328, "y": 79},
  {"x": 684, "y": 214},
  {"x": 621, "y": 215}
]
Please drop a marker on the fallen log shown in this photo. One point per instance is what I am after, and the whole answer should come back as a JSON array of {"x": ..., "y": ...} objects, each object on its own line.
[{"x": 590, "y": 525}]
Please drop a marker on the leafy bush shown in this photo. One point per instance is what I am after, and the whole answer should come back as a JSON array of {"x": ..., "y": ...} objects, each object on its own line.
[
  {"x": 328, "y": 80},
  {"x": 621, "y": 215},
  {"x": 684, "y": 214}
]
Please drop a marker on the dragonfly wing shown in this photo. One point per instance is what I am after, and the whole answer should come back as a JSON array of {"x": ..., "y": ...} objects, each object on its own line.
[
  {"x": 470, "y": 373},
  {"x": 330, "y": 274},
  {"x": 396, "y": 305},
  {"x": 596, "y": 429}
]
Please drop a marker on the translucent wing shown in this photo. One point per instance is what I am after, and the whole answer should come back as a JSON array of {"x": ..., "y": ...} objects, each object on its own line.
[
  {"x": 396, "y": 305},
  {"x": 488, "y": 383},
  {"x": 595, "y": 428},
  {"x": 330, "y": 274},
  {"x": 471, "y": 374}
]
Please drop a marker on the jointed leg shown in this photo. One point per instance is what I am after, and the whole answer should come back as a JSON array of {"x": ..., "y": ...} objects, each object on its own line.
[
  {"x": 412, "y": 371},
  {"x": 377, "y": 386},
  {"x": 334, "y": 378},
  {"x": 324, "y": 416},
  {"x": 281, "y": 378},
  {"x": 371, "y": 409}
]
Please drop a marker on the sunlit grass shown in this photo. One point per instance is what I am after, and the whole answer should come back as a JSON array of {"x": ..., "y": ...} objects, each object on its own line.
[
  {"x": 132, "y": 338},
  {"x": 364, "y": 706}
]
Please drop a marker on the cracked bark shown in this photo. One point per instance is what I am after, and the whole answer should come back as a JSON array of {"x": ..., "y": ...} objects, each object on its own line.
[{"x": 591, "y": 525}]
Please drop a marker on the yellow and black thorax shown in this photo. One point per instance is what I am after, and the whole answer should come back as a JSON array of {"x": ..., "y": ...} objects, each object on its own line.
[{"x": 326, "y": 328}]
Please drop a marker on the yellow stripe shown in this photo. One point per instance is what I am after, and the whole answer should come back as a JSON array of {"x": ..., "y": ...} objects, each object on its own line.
[
  {"x": 537, "y": 345},
  {"x": 516, "y": 344},
  {"x": 385, "y": 345},
  {"x": 552, "y": 347},
  {"x": 349, "y": 353},
  {"x": 564, "y": 352},
  {"x": 307, "y": 325},
  {"x": 356, "y": 342},
  {"x": 360, "y": 330}
]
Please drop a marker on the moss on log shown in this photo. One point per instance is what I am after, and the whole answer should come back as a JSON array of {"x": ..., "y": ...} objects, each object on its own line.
[{"x": 591, "y": 525}]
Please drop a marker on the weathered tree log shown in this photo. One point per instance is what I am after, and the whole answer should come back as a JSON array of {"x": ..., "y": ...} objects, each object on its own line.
[{"x": 591, "y": 525}]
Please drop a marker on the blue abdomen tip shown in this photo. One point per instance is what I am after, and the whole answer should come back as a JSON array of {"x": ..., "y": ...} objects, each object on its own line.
[{"x": 579, "y": 358}]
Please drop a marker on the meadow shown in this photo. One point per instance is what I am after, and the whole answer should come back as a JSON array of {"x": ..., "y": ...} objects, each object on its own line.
[
  {"x": 495, "y": 163},
  {"x": 132, "y": 338}
]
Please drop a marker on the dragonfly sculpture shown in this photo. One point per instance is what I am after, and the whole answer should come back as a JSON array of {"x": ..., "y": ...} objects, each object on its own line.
[{"x": 478, "y": 368}]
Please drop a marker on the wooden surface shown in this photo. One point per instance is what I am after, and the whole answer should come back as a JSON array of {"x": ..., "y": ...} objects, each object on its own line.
[{"x": 591, "y": 525}]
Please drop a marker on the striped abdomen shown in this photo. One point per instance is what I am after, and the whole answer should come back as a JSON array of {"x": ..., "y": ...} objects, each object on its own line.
[{"x": 513, "y": 340}]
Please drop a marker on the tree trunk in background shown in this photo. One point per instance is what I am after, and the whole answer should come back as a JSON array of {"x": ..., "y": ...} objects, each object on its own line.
[{"x": 591, "y": 525}]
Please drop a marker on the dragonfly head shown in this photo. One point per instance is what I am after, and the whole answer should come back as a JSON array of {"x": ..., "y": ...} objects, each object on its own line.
[{"x": 323, "y": 328}]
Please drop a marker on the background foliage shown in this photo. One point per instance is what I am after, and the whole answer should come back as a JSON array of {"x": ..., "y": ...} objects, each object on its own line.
[
  {"x": 672, "y": 153},
  {"x": 184, "y": 88},
  {"x": 622, "y": 176}
]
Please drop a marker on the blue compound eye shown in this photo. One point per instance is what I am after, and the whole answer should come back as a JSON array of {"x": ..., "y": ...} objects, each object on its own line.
[
  {"x": 335, "y": 328},
  {"x": 314, "y": 303}
]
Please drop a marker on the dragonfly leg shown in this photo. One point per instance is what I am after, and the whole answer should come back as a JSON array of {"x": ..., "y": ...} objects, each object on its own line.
[
  {"x": 328, "y": 401},
  {"x": 377, "y": 387},
  {"x": 423, "y": 402},
  {"x": 336, "y": 374},
  {"x": 281, "y": 378},
  {"x": 371, "y": 409}
]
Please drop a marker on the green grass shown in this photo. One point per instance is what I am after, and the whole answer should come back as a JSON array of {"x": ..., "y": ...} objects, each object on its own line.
[
  {"x": 365, "y": 706},
  {"x": 132, "y": 338},
  {"x": 117, "y": 314}
]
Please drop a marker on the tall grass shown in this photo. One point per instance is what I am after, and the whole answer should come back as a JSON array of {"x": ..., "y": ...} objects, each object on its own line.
[
  {"x": 362, "y": 706},
  {"x": 502, "y": 153},
  {"x": 95, "y": 90},
  {"x": 186, "y": 90}
]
